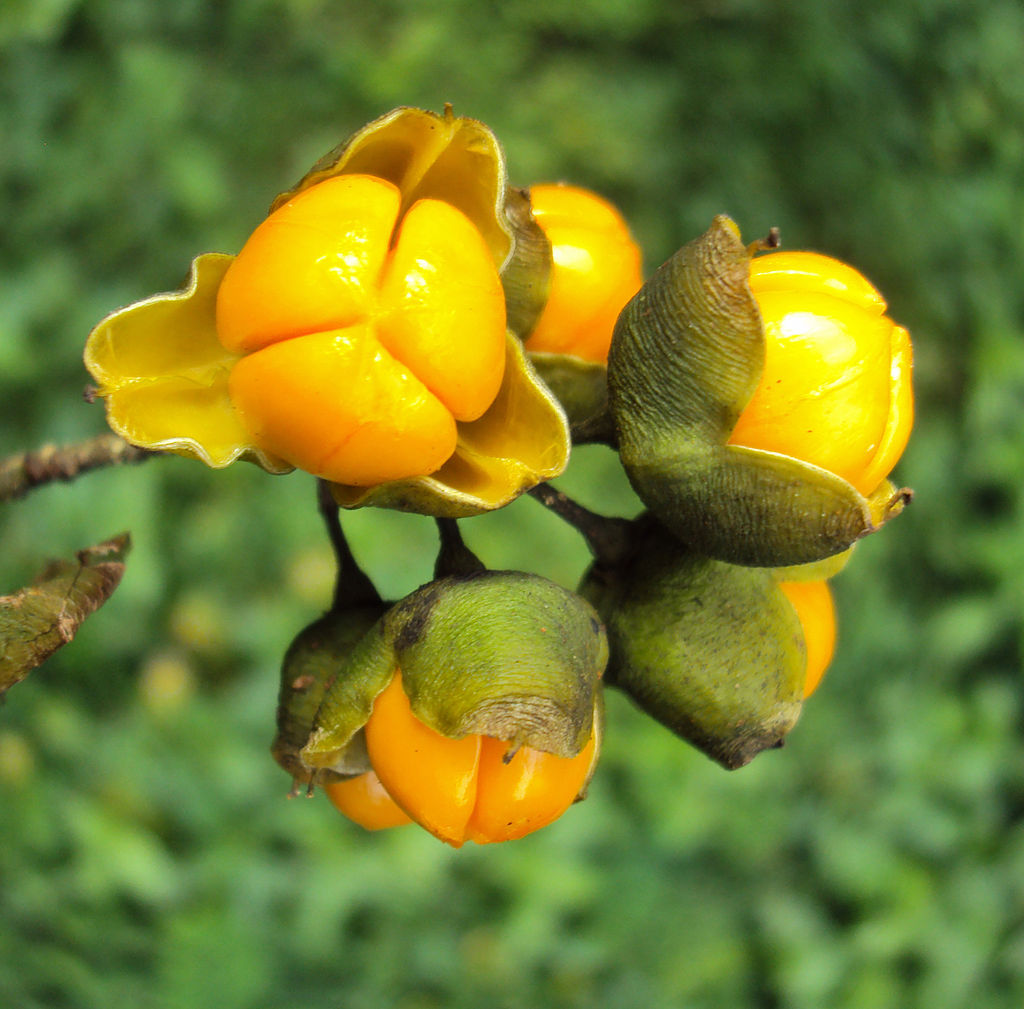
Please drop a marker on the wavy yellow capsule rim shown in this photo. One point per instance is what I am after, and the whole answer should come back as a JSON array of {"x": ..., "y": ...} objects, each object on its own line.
[
  {"x": 163, "y": 373},
  {"x": 162, "y": 355},
  {"x": 446, "y": 157},
  {"x": 522, "y": 439}
]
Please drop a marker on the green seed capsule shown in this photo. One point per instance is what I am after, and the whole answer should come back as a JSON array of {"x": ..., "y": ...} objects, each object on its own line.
[
  {"x": 503, "y": 654},
  {"x": 711, "y": 650},
  {"x": 309, "y": 668}
]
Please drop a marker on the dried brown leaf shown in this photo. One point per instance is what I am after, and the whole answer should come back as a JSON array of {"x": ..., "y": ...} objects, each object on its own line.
[{"x": 44, "y": 616}]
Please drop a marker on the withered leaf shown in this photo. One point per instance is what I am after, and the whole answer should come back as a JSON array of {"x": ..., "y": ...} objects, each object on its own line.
[{"x": 44, "y": 616}]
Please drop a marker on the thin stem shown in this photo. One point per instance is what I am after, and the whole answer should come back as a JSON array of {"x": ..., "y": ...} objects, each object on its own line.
[
  {"x": 598, "y": 429},
  {"x": 454, "y": 557},
  {"x": 609, "y": 539},
  {"x": 24, "y": 472},
  {"x": 351, "y": 587}
]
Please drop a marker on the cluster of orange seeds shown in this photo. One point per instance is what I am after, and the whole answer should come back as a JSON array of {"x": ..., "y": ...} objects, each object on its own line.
[
  {"x": 337, "y": 290},
  {"x": 363, "y": 331}
]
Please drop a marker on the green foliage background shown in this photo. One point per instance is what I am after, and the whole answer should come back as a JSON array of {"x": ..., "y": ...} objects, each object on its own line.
[{"x": 147, "y": 855}]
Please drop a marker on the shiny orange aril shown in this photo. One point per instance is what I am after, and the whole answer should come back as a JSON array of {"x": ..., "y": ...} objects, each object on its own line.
[
  {"x": 812, "y": 273},
  {"x": 433, "y": 778},
  {"x": 312, "y": 265},
  {"x": 442, "y": 309},
  {"x": 901, "y": 412},
  {"x": 815, "y": 607},
  {"x": 462, "y": 789},
  {"x": 825, "y": 391},
  {"x": 338, "y": 405},
  {"x": 596, "y": 269},
  {"x": 361, "y": 357},
  {"x": 835, "y": 391},
  {"x": 530, "y": 791},
  {"x": 364, "y": 800}
]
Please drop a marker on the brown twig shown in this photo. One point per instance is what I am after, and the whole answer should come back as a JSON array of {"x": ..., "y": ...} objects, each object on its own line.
[
  {"x": 773, "y": 240},
  {"x": 24, "y": 472},
  {"x": 609, "y": 539}
]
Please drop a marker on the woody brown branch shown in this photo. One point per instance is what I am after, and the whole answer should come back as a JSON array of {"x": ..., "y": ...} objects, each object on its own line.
[{"x": 23, "y": 472}]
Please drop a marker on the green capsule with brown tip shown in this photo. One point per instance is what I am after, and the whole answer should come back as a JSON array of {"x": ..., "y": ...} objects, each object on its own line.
[
  {"x": 687, "y": 356},
  {"x": 711, "y": 650},
  {"x": 503, "y": 654}
]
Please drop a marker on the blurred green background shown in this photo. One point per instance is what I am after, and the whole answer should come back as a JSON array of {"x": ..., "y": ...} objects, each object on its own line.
[{"x": 147, "y": 854}]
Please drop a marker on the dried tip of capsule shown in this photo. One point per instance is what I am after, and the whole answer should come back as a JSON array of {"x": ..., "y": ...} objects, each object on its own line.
[{"x": 773, "y": 240}]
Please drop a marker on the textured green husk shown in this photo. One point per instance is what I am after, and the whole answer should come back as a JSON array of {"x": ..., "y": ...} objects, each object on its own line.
[
  {"x": 711, "y": 650},
  {"x": 310, "y": 665},
  {"x": 526, "y": 276},
  {"x": 686, "y": 357},
  {"x": 499, "y": 653}
]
